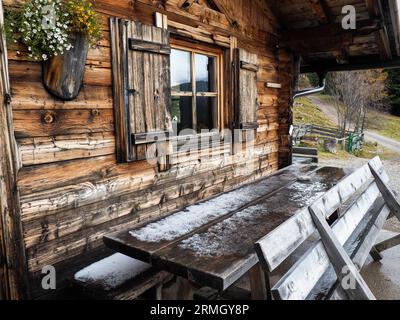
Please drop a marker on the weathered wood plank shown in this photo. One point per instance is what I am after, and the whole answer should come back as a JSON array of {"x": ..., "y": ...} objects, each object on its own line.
[
  {"x": 32, "y": 95},
  {"x": 339, "y": 259},
  {"x": 213, "y": 265},
  {"x": 13, "y": 274},
  {"x": 300, "y": 226},
  {"x": 304, "y": 275},
  {"x": 257, "y": 283},
  {"x": 45, "y": 123},
  {"x": 386, "y": 191},
  {"x": 388, "y": 244},
  {"x": 147, "y": 46},
  {"x": 36, "y": 151}
]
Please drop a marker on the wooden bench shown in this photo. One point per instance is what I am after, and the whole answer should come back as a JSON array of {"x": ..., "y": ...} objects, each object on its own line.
[
  {"x": 305, "y": 154},
  {"x": 327, "y": 255},
  {"x": 119, "y": 277}
]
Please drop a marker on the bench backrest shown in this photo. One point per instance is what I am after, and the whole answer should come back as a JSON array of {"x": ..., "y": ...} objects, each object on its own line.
[{"x": 356, "y": 193}]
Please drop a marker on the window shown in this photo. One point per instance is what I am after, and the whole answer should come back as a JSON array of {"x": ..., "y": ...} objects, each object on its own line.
[{"x": 195, "y": 88}]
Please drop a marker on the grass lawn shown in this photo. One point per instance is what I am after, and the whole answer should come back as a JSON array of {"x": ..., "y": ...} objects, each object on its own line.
[
  {"x": 379, "y": 121},
  {"x": 383, "y": 123},
  {"x": 305, "y": 112}
]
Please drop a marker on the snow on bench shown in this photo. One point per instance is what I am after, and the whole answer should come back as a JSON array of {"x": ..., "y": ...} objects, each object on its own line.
[{"x": 118, "y": 277}]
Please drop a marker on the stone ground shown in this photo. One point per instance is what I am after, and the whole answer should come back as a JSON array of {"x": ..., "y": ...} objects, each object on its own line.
[{"x": 382, "y": 277}]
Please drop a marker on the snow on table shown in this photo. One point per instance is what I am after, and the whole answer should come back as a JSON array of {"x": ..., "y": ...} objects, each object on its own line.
[{"x": 195, "y": 216}]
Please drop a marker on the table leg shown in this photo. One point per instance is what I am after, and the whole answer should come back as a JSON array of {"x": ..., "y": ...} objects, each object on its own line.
[
  {"x": 185, "y": 289},
  {"x": 259, "y": 284}
]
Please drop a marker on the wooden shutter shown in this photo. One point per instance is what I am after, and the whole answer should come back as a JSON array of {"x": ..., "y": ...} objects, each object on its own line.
[
  {"x": 141, "y": 75},
  {"x": 246, "y": 96}
]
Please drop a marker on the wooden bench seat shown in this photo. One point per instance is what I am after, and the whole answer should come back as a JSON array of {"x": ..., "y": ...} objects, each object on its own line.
[
  {"x": 310, "y": 154},
  {"x": 119, "y": 277},
  {"x": 361, "y": 211}
]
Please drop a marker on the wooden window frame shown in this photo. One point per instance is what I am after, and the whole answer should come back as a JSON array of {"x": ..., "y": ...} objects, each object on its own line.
[{"x": 219, "y": 53}]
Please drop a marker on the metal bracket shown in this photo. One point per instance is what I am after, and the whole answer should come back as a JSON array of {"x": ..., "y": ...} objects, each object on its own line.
[
  {"x": 7, "y": 98},
  {"x": 133, "y": 92}
]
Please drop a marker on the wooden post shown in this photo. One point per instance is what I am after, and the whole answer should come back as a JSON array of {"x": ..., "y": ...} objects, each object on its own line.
[
  {"x": 258, "y": 283},
  {"x": 387, "y": 193},
  {"x": 13, "y": 271},
  {"x": 340, "y": 259}
]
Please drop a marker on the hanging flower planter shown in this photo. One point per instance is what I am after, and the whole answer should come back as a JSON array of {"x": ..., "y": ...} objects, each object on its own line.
[
  {"x": 59, "y": 33},
  {"x": 63, "y": 74}
]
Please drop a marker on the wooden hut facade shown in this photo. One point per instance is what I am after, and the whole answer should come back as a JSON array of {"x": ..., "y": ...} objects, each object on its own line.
[{"x": 74, "y": 171}]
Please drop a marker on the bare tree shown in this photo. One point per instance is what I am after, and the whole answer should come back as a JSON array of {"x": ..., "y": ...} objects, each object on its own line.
[{"x": 353, "y": 92}]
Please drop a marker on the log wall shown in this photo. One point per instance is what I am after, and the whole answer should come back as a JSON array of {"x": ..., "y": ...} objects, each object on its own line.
[{"x": 72, "y": 190}]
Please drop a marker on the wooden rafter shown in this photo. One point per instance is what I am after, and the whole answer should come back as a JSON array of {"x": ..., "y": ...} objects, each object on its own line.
[
  {"x": 273, "y": 6},
  {"x": 381, "y": 36},
  {"x": 320, "y": 9},
  {"x": 222, "y": 8},
  {"x": 326, "y": 38}
]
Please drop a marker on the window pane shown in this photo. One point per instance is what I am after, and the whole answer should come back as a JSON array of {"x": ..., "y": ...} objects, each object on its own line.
[
  {"x": 182, "y": 112},
  {"x": 205, "y": 73},
  {"x": 180, "y": 70},
  {"x": 207, "y": 115}
]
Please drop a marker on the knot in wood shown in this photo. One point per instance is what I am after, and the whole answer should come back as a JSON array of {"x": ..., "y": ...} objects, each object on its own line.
[
  {"x": 95, "y": 112},
  {"x": 48, "y": 118}
]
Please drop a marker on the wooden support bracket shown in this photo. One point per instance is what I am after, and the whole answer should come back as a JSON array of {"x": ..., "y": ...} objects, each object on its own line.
[
  {"x": 387, "y": 193},
  {"x": 340, "y": 259},
  {"x": 393, "y": 204}
]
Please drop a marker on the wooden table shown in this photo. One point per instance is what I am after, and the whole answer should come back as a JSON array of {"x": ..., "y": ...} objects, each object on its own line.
[{"x": 219, "y": 252}]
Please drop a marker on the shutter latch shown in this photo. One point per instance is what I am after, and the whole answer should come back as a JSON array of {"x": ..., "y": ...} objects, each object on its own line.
[
  {"x": 133, "y": 92},
  {"x": 7, "y": 98}
]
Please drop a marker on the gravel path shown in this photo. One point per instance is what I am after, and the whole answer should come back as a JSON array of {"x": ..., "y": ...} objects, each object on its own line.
[
  {"x": 372, "y": 136},
  {"x": 392, "y": 168}
]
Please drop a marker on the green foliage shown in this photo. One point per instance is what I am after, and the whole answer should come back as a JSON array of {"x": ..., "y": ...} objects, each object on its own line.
[
  {"x": 84, "y": 19},
  {"x": 393, "y": 87},
  {"x": 44, "y": 26},
  {"x": 314, "y": 79},
  {"x": 305, "y": 112}
]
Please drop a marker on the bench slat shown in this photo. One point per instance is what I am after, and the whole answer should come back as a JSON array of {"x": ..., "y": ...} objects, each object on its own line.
[
  {"x": 118, "y": 277},
  {"x": 280, "y": 243},
  {"x": 303, "y": 276},
  {"x": 340, "y": 259},
  {"x": 357, "y": 247}
]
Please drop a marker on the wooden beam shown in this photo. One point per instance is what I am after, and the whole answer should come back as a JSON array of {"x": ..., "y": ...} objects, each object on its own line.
[
  {"x": 222, "y": 8},
  {"x": 320, "y": 8},
  {"x": 372, "y": 7},
  {"x": 340, "y": 260},
  {"x": 363, "y": 63},
  {"x": 387, "y": 193},
  {"x": 388, "y": 244},
  {"x": 12, "y": 251},
  {"x": 381, "y": 36},
  {"x": 364, "y": 27},
  {"x": 273, "y": 7},
  {"x": 257, "y": 283}
]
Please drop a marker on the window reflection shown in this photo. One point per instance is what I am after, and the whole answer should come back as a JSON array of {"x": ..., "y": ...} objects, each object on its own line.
[
  {"x": 181, "y": 111},
  {"x": 194, "y": 90},
  {"x": 181, "y": 70},
  {"x": 205, "y": 73},
  {"x": 206, "y": 109}
]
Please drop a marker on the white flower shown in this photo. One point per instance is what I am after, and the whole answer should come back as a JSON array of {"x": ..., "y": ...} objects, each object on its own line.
[{"x": 44, "y": 56}]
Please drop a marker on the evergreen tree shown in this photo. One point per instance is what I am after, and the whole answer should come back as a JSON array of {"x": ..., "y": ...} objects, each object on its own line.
[{"x": 393, "y": 87}]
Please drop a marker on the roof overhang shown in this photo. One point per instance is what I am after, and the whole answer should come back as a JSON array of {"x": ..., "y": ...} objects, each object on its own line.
[{"x": 312, "y": 29}]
